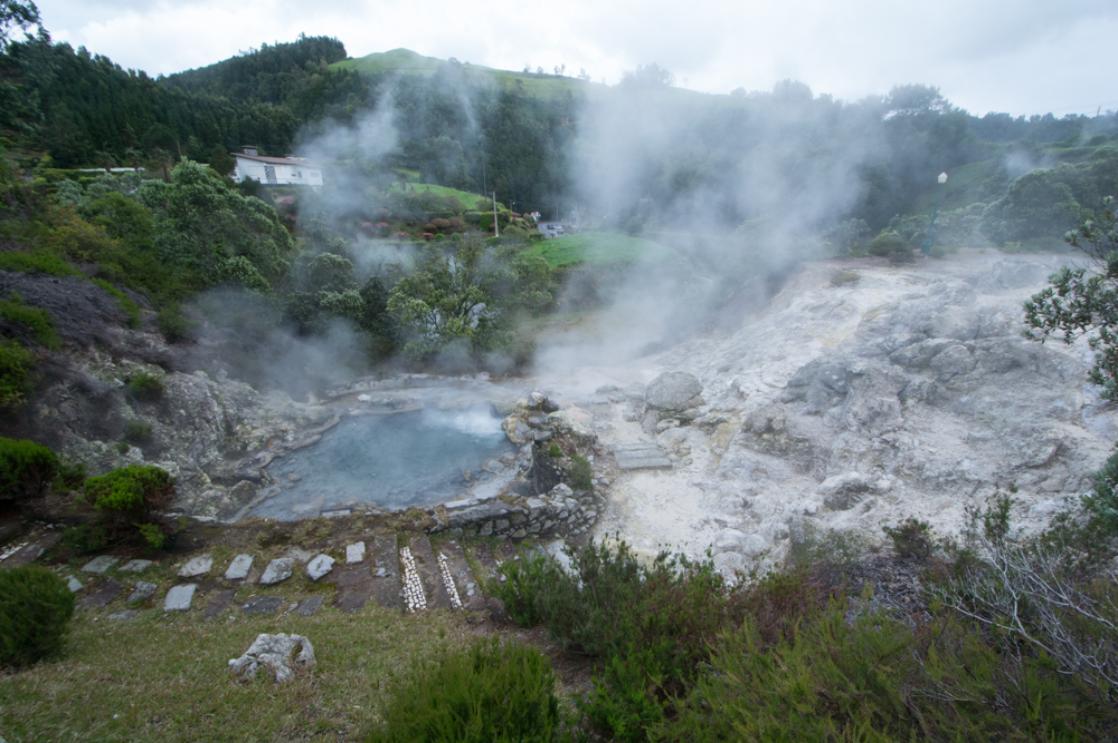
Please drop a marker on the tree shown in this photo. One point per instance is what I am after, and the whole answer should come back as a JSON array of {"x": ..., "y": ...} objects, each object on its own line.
[
  {"x": 1084, "y": 301},
  {"x": 20, "y": 14}
]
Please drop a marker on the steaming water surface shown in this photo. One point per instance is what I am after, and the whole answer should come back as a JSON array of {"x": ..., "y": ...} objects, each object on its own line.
[{"x": 392, "y": 461}]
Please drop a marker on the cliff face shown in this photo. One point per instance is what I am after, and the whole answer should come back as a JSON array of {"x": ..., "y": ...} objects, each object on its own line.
[
  {"x": 862, "y": 394},
  {"x": 198, "y": 427}
]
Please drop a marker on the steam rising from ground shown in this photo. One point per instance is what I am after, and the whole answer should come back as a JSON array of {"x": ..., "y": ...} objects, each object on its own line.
[{"x": 736, "y": 213}]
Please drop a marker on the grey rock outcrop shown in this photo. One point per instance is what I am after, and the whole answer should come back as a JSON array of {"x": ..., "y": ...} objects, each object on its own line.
[
  {"x": 281, "y": 654},
  {"x": 319, "y": 567},
  {"x": 674, "y": 391}
]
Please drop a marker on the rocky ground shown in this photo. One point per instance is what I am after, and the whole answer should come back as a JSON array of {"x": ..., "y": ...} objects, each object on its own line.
[{"x": 862, "y": 394}]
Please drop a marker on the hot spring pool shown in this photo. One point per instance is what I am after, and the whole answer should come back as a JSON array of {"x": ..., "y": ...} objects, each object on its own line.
[{"x": 393, "y": 461}]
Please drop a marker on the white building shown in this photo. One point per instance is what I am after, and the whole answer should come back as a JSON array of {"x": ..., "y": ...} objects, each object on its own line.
[{"x": 275, "y": 171}]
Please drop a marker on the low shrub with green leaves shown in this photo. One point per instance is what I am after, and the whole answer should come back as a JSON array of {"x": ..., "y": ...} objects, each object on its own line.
[
  {"x": 486, "y": 693},
  {"x": 912, "y": 538},
  {"x": 134, "y": 489},
  {"x": 145, "y": 386},
  {"x": 650, "y": 624},
  {"x": 36, "y": 322},
  {"x": 127, "y": 499},
  {"x": 35, "y": 607},
  {"x": 891, "y": 245},
  {"x": 26, "y": 469},
  {"x": 16, "y": 364}
]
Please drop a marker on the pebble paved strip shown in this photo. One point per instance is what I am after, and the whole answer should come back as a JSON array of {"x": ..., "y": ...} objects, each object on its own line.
[
  {"x": 414, "y": 598},
  {"x": 448, "y": 581}
]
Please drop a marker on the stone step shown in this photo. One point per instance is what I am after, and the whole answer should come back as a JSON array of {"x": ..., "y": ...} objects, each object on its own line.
[
  {"x": 467, "y": 585},
  {"x": 438, "y": 595},
  {"x": 641, "y": 455},
  {"x": 385, "y": 568}
]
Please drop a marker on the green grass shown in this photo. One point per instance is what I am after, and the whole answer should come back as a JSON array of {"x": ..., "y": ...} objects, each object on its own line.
[
  {"x": 407, "y": 62},
  {"x": 466, "y": 199},
  {"x": 164, "y": 678},
  {"x": 596, "y": 248}
]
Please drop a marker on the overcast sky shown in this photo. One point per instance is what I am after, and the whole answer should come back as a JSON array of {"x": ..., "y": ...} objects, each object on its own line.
[{"x": 985, "y": 55}]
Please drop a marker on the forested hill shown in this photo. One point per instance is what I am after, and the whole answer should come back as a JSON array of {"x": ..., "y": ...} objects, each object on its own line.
[{"x": 515, "y": 133}]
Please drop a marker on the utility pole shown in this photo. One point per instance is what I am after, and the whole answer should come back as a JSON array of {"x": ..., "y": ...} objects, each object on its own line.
[{"x": 496, "y": 226}]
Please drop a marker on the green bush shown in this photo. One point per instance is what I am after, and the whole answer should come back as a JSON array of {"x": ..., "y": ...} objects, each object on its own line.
[
  {"x": 580, "y": 473},
  {"x": 85, "y": 538},
  {"x": 35, "y": 605},
  {"x": 16, "y": 363},
  {"x": 890, "y": 245},
  {"x": 137, "y": 432},
  {"x": 649, "y": 624},
  {"x": 39, "y": 261},
  {"x": 173, "y": 324},
  {"x": 26, "y": 469},
  {"x": 912, "y": 538},
  {"x": 38, "y": 322},
  {"x": 145, "y": 386},
  {"x": 488, "y": 692},
  {"x": 135, "y": 490}
]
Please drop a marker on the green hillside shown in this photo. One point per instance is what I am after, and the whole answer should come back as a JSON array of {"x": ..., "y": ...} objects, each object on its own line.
[
  {"x": 598, "y": 248},
  {"x": 407, "y": 62}
]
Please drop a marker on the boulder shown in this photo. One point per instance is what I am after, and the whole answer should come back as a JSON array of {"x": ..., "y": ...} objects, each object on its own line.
[
  {"x": 239, "y": 567},
  {"x": 355, "y": 553},
  {"x": 281, "y": 654},
  {"x": 842, "y": 492},
  {"x": 179, "y": 598},
  {"x": 673, "y": 390}
]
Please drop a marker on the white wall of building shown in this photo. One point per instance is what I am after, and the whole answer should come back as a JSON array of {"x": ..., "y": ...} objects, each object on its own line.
[{"x": 280, "y": 174}]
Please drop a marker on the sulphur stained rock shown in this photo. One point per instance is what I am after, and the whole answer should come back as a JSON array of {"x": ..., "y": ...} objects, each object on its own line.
[{"x": 281, "y": 654}]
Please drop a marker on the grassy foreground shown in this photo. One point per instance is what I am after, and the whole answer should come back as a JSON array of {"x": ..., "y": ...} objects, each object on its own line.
[{"x": 165, "y": 678}]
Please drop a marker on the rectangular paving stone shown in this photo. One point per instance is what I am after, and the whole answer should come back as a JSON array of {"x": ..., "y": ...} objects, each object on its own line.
[
  {"x": 239, "y": 567},
  {"x": 469, "y": 588},
  {"x": 355, "y": 553},
  {"x": 262, "y": 605},
  {"x": 180, "y": 597},
  {"x": 428, "y": 567},
  {"x": 355, "y": 585},
  {"x": 197, "y": 566},
  {"x": 386, "y": 572},
  {"x": 219, "y": 601},
  {"x": 100, "y": 564},
  {"x": 142, "y": 591},
  {"x": 136, "y": 566},
  {"x": 310, "y": 605},
  {"x": 102, "y": 596}
]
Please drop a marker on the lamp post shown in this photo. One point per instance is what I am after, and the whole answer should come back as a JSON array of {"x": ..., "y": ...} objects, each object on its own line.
[{"x": 930, "y": 236}]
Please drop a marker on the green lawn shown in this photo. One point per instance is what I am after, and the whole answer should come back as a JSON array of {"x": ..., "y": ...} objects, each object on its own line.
[
  {"x": 467, "y": 200},
  {"x": 599, "y": 248},
  {"x": 165, "y": 678}
]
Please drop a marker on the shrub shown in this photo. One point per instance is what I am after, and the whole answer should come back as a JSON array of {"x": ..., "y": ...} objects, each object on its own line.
[
  {"x": 135, "y": 489},
  {"x": 145, "y": 386},
  {"x": 890, "y": 245},
  {"x": 85, "y": 538},
  {"x": 137, "y": 432},
  {"x": 26, "y": 468},
  {"x": 912, "y": 538},
  {"x": 39, "y": 261},
  {"x": 488, "y": 692},
  {"x": 35, "y": 605},
  {"x": 581, "y": 474},
  {"x": 15, "y": 373},
  {"x": 38, "y": 322},
  {"x": 173, "y": 324},
  {"x": 649, "y": 624}
]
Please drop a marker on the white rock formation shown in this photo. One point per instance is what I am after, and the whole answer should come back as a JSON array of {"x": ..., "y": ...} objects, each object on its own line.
[{"x": 281, "y": 654}]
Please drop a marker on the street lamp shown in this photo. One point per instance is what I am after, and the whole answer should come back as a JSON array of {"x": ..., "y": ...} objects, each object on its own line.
[{"x": 930, "y": 236}]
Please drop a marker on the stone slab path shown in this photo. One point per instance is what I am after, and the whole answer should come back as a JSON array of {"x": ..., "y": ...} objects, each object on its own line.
[
  {"x": 642, "y": 455},
  {"x": 445, "y": 574}
]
